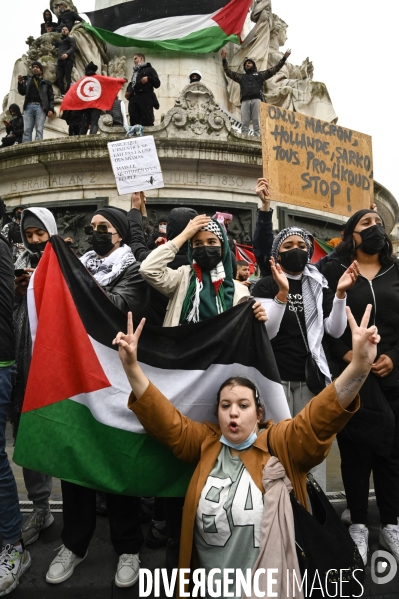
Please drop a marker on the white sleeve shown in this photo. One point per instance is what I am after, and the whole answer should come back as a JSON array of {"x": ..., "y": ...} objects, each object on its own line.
[
  {"x": 335, "y": 324},
  {"x": 123, "y": 111},
  {"x": 275, "y": 313},
  {"x": 155, "y": 271}
]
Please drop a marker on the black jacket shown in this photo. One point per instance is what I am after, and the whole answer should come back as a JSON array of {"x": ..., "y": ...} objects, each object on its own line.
[
  {"x": 7, "y": 339},
  {"x": 130, "y": 292},
  {"x": 66, "y": 45},
  {"x": 45, "y": 91},
  {"x": 263, "y": 240},
  {"x": 16, "y": 127},
  {"x": 68, "y": 18},
  {"x": 144, "y": 88},
  {"x": 251, "y": 83},
  {"x": 43, "y": 26}
]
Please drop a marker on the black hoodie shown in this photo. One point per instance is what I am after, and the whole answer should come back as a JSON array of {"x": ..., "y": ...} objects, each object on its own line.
[
  {"x": 251, "y": 82},
  {"x": 16, "y": 126},
  {"x": 47, "y": 23}
]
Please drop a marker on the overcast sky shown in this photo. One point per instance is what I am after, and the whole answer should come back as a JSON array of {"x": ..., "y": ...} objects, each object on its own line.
[{"x": 351, "y": 44}]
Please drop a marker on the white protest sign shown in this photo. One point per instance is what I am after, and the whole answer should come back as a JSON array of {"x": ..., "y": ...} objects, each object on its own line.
[{"x": 135, "y": 164}]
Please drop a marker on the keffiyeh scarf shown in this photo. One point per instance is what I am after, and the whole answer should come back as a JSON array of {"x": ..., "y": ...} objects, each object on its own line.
[{"x": 105, "y": 270}]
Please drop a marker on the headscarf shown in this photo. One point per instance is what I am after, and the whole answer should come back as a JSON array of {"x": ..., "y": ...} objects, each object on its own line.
[
  {"x": 354, "y": 219},
  {"x": 221, "y": 217},
  {"x": 209, "y": 293},
  {"x": 118, "y": 219},
  {"x": 40, "y": 218},
  {"x": 282, "y": 236}
]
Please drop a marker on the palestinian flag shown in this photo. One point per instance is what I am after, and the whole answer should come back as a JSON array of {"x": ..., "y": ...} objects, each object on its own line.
[
  {"x": 321, "y": 249},
  {"x": 75, "y": 422},
  {"x": 196, "y": 26}
]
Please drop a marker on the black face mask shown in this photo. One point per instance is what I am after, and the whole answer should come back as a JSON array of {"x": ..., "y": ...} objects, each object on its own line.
[
  {"x": 207, "y": 257},
  {"x": 373, "y": 239},
  {"x": 36, "y": 247},
  {"x": 294, "y": 260},
  {"x": 102, "y": 243}
]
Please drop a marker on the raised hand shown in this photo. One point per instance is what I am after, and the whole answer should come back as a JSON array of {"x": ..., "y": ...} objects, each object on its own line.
[
  {"x": 127, "y": 349},
  {"x": 287, "y": 53},
  {"x": 223, "y": 54},
  {"x": 364, "y": 340},
  {"x": 262, "y": 189},
  {"x": 348, "y": 279},
  {"x": 192, "y": 228},
  {"x": 280, "y": 278}
]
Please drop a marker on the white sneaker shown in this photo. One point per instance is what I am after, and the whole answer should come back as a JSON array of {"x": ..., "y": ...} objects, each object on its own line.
[
  {"x": 13, "y": 564},
  {"x": 360, "y": 535},
  {"x": 346, "y": 517},
  {"x": 127, "y": 572},
  {"x": 389, "y": 538},
  {"x": 34, "y": 524},
  {"x": 62, "y": 566}
]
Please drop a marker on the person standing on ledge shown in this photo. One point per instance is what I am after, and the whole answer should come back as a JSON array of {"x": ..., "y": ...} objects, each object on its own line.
[
  {"x": 251, "y": 86},
  {"x": 140, "y": 92},
  {"x": 67, "y": 17},
  {"x": 39, "y": 101},
  {"x": 66, "y": 50}
]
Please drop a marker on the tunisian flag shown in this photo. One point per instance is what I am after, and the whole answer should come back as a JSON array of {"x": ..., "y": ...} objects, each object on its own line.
[{"x": 93, "y": 91}]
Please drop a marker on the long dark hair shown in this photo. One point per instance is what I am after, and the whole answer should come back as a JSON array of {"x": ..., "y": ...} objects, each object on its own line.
[
  {"x": 346, "y": 250},
  {"x": 240, "y": 381}
]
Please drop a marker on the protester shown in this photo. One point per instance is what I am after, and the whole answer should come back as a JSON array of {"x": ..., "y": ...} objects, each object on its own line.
[
  {"x": 66, "y": 50},
  {"x": 301, "y": 308},
  {"x": 178, "y": 219},
  {"x": 12, "y": 231},
  {"x": 243, "y": 273},
  {"x": 219, "y": 540},
  {"x": 203, "y": 289},
  {"x": 113, "y": 266},
  {"x": 90, "y": 116},
  {"x": 195, "y": 76},
  {"x": 47, "y": 26},
  {"x": 67, "y": 17},
  {"x": 14, "y": 559},
  {"x": 39, "y": 101},
  {"x": 73, "y": 119},
  {"x": 158, "y": 236},
  {"x": 371, "y": 441},
  {"x": 37, "y": 225},
  {"x": 251, "y": 89},
  {"x": 140, "y": 92},
  {"x": 14, "y": 128}
]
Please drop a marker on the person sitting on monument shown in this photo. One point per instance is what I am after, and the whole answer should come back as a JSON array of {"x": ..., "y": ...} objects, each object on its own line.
[
  {"x": 14, "y": 128},
  {"x": 67, "y": 17},
  {"x": 113, "y": 266},
  {"x": 39, "y": 101},
  {"x": 140, "y": 92},
  {"x": 251, "y": 89},
  {"x": 66, "y": 50},
  {"x": 48, "y": 24}
]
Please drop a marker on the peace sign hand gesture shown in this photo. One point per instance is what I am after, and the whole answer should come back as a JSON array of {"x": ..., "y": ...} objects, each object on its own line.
[
  {"x": 364, "y": 340},
  {"x": 127, "y": 349}
]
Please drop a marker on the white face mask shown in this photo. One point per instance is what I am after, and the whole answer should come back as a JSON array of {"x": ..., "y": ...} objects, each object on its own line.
[{"x": 248, "y": 442}]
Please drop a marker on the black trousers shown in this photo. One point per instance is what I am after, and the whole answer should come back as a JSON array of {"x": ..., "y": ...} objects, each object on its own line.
[
  {"x": 141, "y": 110},
  {"x": 90, "y": 118},
  {"x": 79, "y": 512},
  {"x": 357, "y": 463},
  {"x": 64, "y": 69}
]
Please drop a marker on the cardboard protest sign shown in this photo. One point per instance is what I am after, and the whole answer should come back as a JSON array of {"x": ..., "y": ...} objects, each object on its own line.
[
  {"x": 135, "y": 164},
  {"x": 315, "y": 164}
]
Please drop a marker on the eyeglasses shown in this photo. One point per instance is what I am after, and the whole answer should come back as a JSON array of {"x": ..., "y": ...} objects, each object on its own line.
[{"x": 89, "y": 229}]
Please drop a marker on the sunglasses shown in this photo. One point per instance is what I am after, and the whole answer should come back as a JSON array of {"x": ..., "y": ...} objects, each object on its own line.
[{"x": 101, "y": 229}]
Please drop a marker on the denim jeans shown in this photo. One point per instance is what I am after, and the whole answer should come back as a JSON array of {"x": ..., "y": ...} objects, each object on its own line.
[
  {"x": 10, "y": 515},
  {"x": 34, "y": 116}
]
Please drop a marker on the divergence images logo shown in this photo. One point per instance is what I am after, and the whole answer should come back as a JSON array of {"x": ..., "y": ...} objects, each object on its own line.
[{"x": 383, "y": 567}]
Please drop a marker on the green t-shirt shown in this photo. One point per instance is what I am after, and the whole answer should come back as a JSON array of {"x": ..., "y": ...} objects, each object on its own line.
[{"x": 229, "y": 517}]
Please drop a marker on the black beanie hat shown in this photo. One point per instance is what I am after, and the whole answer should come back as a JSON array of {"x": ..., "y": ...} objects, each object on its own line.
[
  {"x": 354, "y": 219},
  {"x": 37, "y": 63},
  {"x": 118, "y": 218},
  {"x": 90, "y": 68}
]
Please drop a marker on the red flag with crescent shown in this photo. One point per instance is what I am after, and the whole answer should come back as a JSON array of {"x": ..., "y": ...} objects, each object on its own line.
[{"x": 94, "y": 91}]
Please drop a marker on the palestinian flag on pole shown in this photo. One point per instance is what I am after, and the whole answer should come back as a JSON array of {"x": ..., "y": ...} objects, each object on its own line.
[
  {"x": 197, "y": 26},
  {"x": 75, "y": 422}
]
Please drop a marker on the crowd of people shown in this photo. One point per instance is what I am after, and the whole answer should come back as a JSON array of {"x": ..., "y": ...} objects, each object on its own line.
[
  {"x": 140, "y": 93},
  {"x": 187, "y": 275}
]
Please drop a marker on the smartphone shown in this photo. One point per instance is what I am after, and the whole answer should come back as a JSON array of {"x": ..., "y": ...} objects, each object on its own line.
[{"x": 18, "y": 272}]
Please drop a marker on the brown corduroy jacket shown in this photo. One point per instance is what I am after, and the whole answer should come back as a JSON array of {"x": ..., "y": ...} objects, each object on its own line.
[{"x": 299, "y": 443}]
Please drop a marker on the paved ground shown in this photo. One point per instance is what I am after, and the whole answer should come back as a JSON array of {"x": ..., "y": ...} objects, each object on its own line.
[{"x": 94, "y": 578}]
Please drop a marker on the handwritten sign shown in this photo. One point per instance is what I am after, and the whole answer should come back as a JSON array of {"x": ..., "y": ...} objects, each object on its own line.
[
  {"x": 315, "y": 164},
  {"x": 135, "y": 164}
]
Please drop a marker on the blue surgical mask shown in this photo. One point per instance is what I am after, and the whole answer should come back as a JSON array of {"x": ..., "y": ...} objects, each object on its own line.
[{"x": 248, "y": 442}]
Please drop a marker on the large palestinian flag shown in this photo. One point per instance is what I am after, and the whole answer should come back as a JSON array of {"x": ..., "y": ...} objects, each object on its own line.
[
  {"x": 177, "y": 25},
  {"x": 75, "y": 424}
]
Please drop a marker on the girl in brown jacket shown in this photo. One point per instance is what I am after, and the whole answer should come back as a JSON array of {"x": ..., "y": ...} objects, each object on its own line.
[{"x": 223, "y": 505}]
